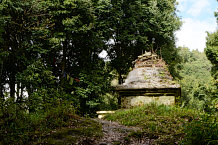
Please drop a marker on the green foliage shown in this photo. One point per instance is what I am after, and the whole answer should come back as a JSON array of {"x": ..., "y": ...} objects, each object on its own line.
[
  {"x": 132, "y": 25},
  {"x": 167, "y": 124},
  {"x": 13, "y": 123},
  {"x": 203, "y": 130},
  {"x": 46, "y": 41},
  {"x": 50, "y": 50},
  {"x": 36, "y": 76},
  {"x": 90, "y": 90},
  {"x": 40, "y": 85},
  {"x": 196, "y": 80},
  {"x": 211, "y": 51},
  {"x": 109, "y": 101},
  {"x": 18, "y": 126}
]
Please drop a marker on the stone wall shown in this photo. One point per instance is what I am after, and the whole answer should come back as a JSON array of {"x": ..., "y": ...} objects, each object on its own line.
[
  {"x": 131, "y": 101},
  {"x": 139, "y": 97}
]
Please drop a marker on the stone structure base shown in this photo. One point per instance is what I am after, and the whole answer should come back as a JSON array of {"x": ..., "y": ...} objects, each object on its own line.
[
  {"x": 138, "y": 97},
  {"x": 131, "y": 101}
]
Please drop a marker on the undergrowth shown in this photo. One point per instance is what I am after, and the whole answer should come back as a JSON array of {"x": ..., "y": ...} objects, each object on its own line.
[
  {"x": 170, "y": 124},
  {"x": 56, "y": 125},
  {"x": 79, "y": 130}
]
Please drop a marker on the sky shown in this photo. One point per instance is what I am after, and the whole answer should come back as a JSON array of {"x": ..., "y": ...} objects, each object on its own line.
[{"x": 197, "y": 17}]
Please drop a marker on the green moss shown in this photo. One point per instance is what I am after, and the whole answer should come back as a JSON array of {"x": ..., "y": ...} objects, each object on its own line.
[
  {"x": 146, "y": 77},
  {"x": 78, "y": 129}
]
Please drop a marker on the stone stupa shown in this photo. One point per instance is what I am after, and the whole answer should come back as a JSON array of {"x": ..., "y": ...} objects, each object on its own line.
[{"x": 149, "y": 81}]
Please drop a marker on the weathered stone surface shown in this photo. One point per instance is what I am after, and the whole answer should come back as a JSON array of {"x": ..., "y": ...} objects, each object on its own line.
[
  {"x": 131, "y": 101},
  {"x": 149, "y": 81}
]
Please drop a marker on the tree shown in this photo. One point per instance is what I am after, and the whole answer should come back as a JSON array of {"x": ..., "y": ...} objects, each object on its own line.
[
  {"x": 196, "y": 80},
  {"x": 1, "y": 51},
  {"x": 65, "y": 35},
  {"x": 22, "y": 35},
  {"x": 134, "y": 24},
  {"x": 211, "y": 51},
  {"x": 76, "y": 41}
]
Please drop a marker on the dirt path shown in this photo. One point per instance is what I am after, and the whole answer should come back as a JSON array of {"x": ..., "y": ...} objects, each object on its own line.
[{"x": 114, "y": 134}]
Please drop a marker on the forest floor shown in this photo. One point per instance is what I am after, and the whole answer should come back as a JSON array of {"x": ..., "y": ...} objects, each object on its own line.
[{"x": 115, "y": 133}]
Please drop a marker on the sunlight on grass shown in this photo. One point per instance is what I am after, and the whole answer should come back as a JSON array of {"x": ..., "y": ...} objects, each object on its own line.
[{"x": 165, "y": 124}]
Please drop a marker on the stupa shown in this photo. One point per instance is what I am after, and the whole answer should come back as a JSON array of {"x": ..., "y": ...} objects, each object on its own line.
[{"x": 149, "y": 81}]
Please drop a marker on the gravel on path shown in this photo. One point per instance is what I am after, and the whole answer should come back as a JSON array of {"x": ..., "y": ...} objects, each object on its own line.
[{"x": 117, "y": 134}]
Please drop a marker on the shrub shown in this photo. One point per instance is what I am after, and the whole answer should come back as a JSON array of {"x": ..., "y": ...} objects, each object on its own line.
[
  {"x": 13, "y": 123},
  {"x": 203, "y": 130},
  {"x": 18, "y": 126}
]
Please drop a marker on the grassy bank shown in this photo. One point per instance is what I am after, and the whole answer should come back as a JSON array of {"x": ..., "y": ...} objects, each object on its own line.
[
  {"x": 56, "y": 125},
  {"x": 170, "y": 124},
  {"x": 79, "y": 131}
]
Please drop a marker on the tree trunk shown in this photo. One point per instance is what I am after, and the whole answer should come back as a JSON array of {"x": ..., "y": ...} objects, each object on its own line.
[
  {"x": 1, "y": 85},
  {"x": 12, "y": 86},
  {"x": 19, "y": 93},
  {"x": 120, "y": 81},
  {"x": 120, "y": 78},
  {"x": 63, "y": 66},
  {"x": 12, "y": 81}
]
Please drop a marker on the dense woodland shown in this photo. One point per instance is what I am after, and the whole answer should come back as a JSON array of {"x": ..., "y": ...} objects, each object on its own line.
[{"x": 50, "y": 66}]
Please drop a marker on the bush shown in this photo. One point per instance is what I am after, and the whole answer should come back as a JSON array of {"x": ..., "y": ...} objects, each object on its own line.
[
  {"x": 18, "y": 126},
  {"x": 13, "y": 123},
  {"x": 91, "y": 90},
  {"x": 203, "y": 130}
]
